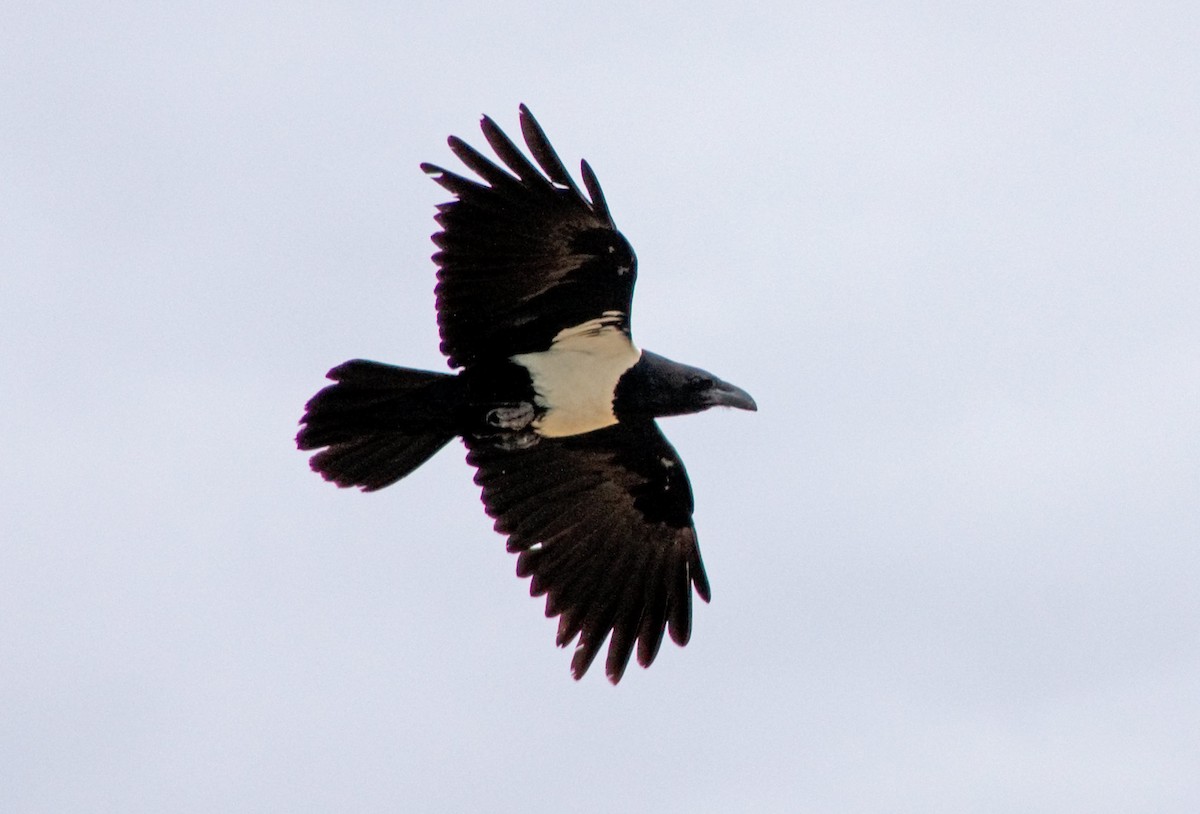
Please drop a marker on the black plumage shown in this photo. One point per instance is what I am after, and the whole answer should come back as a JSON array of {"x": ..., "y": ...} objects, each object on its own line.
[
  {"x": 522, "y": 258},
  {"x": 555, "y": 404}
]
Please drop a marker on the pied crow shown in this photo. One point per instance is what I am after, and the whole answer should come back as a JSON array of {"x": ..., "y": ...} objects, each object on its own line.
[{"x": 554, "y": 402}]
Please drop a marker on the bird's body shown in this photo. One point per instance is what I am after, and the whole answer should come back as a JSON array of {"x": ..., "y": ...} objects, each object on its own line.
[
  {"x": 574, "y": 380},
  {"x": 555, "y": 403}
]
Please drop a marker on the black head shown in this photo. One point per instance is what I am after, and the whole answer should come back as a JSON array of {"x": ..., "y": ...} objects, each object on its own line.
[{"x": 656, "y": 387}]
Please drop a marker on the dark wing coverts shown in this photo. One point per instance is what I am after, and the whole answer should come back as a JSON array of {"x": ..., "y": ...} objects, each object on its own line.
[
  {"x": 524, "y": 254},
  {"x": 603, "y": 524}
]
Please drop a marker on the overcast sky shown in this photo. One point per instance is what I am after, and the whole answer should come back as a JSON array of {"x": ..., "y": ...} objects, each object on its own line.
[{"x": 953, "y": 250}]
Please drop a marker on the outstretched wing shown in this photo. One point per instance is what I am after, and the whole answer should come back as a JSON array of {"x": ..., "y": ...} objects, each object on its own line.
[
  {"x": 524, "y": 255},
  {"x": 603, "y": 525}
]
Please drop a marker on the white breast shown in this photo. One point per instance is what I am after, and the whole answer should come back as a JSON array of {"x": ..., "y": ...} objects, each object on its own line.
[{"x": 574, "y": 380}]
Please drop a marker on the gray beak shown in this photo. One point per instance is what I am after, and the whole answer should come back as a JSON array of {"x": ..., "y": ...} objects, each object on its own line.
[{"x": 724, "y": 394}]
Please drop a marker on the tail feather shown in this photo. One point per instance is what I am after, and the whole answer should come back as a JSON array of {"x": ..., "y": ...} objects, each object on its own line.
[{"x": 377, "y": 423}]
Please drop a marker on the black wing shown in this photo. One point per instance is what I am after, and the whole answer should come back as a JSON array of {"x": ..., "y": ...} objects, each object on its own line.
[
  {"x": 603, "y": 524},
  {"x": 523, "y": 255}
]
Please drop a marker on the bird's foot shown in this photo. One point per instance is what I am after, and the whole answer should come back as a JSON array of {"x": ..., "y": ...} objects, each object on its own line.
[
  {"x": 507, "y": 441},
  {"x": 512, "y": 442},
  {"x": 511, "y": 416}
]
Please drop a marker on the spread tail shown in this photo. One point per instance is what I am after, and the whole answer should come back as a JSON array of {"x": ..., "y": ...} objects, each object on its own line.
[{"x": 377, "y": 423}]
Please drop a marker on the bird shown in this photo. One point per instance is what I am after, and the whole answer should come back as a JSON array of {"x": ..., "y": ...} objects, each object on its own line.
[{"x": 555, "y": 404}]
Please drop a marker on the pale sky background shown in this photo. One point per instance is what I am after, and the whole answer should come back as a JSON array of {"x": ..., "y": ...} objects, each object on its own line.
[{"x": 952, "y": 249}]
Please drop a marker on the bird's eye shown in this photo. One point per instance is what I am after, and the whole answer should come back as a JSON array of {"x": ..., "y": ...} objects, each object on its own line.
[{"x": 701, "y": 383}]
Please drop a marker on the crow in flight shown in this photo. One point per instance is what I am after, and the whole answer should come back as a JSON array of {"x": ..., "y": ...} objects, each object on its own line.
[{"x": 552, "y": 399}]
